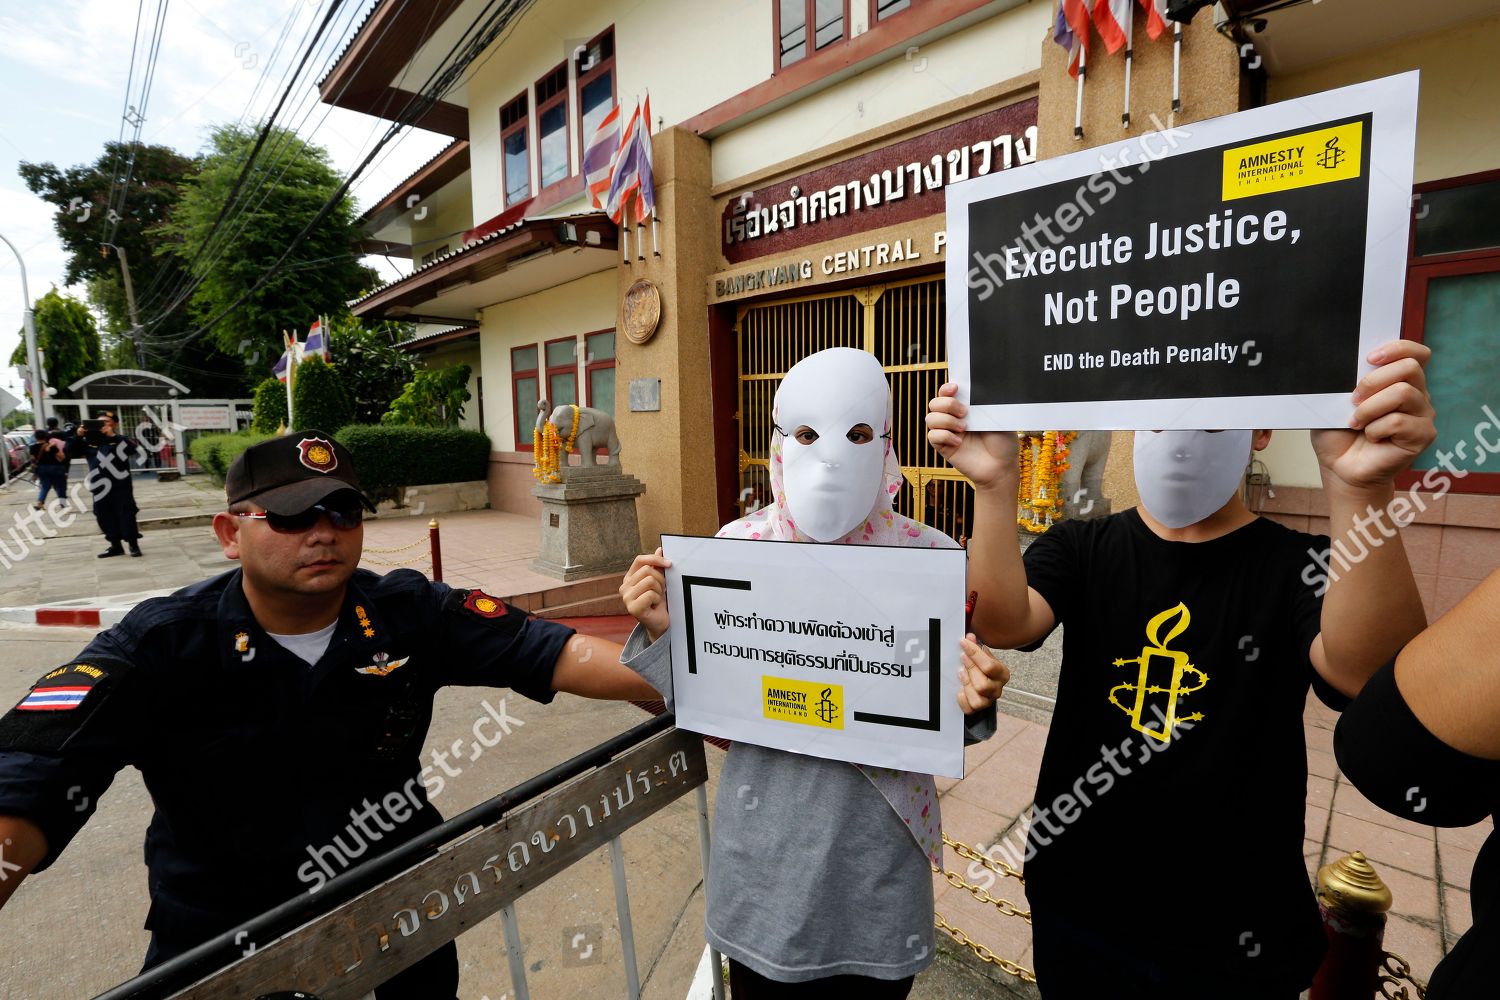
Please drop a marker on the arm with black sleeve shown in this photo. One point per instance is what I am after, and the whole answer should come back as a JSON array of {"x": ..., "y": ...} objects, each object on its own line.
[{"x": 60, "y": 747}]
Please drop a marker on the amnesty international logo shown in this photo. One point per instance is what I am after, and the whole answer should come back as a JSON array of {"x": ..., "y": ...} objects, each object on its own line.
[
  {"x": 1148, "y": 681},
  {"x": 786, "y": 700},
  {"x": 1331, "y": 156},
  {"x": 1319, "y": 156},
  {"x": 826, "y": 709}
]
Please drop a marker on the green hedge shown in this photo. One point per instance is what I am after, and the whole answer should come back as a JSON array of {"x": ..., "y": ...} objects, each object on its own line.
[
  {"x": 319, "y": 400},
  {"x": 270, "y": 406},
  {"x": 217, "y": 452},
  {"x": 390, "y": 456}
]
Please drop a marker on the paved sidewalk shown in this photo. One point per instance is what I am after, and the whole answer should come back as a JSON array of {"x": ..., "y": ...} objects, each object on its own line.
[{"x": 1427, "y": 869}]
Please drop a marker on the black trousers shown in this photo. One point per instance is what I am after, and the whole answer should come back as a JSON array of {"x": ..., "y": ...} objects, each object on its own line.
[{"x": 747, "y": 984}]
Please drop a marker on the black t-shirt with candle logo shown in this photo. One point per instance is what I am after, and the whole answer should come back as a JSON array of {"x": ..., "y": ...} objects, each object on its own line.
[{"x": 1175, "y": 773}]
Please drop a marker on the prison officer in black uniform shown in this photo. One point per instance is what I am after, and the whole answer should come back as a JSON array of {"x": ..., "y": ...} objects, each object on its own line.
[{"x": 268, "y": 708}]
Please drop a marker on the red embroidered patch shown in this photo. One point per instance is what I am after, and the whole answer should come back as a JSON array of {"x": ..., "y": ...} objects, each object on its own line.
[
  {"x": 317, "y": 454},
  {"x": 484, "y": 605}
]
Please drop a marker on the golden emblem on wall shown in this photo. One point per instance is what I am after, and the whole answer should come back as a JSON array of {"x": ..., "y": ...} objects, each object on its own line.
[{"x": 641, "y": 311}]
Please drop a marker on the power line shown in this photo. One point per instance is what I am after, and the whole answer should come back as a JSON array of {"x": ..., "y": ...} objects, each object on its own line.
[
  {"x": 230, "y": 229},
  {"x": 113, "y": 215},
  {"x": 261, "y": 138}
]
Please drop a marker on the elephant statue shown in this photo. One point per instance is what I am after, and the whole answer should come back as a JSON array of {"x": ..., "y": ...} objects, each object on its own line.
[
  {"x": 596, "y": 429},
  {"x": 1082, "y": 484}
]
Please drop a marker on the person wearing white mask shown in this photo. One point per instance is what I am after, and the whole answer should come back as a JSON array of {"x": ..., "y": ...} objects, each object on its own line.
[
  {"x": 1165, "y": 852},
  {"x": 820, "y": 871}
]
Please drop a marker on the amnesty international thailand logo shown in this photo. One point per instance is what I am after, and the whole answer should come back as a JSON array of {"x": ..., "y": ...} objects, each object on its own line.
[
  {"x": 1331, "y": 156},
  {"x": 803, "y": 702},
  {"x": 1149, "y": 678},
  {"x": 826, "y": 709}
]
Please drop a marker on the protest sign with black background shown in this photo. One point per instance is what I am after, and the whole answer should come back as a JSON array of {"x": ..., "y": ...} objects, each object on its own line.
[{"x": 1229, "y": 273}]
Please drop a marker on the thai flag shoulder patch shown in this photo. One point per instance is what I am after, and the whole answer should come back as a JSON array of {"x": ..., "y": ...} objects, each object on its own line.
[{"x": 63, "y": 689}]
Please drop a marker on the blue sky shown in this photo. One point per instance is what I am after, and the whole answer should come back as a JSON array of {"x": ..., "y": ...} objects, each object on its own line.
[{"x": 63, "y": 73}]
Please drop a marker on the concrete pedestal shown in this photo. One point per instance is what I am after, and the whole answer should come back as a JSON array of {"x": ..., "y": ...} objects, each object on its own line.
[{"x": 589, "y": 525}]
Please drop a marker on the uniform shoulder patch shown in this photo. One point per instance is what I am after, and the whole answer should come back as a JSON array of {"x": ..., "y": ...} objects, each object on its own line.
[
  {"x": 484, "y": 605},
  {"x": 62, "y": 689}
]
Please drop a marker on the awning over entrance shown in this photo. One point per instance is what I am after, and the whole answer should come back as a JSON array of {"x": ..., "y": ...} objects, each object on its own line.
[{"x": 500, "y": 260}]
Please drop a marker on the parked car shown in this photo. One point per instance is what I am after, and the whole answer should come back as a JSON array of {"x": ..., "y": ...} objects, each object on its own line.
[{"x": 18, "y": 449}]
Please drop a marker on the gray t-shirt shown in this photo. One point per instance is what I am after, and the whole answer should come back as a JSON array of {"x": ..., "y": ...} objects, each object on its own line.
[{"x": 811, "y": 872}]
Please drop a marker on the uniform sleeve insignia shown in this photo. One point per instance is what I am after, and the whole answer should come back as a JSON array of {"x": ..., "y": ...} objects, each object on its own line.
[
  {"x": 484, "y": 605},
  {"x": 317, "y": 454},
  {"x": 62, "y": 689}
]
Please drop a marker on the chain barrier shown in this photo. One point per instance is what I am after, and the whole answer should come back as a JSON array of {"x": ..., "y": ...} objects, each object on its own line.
[
  {"x": 419, "y": 559},
  {"x": 1005, "y": 906},
  {"x": 993, "y": 864},
  {"x": 1395, "y": 974},
  {"x": 1015, "y": 969}
]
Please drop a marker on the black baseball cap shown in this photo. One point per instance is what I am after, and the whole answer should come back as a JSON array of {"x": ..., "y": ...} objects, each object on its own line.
[{"x": 289, "y": 474}]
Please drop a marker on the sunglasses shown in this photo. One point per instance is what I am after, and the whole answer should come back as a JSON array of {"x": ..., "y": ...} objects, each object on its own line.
[{"x": 291, "y": 524}]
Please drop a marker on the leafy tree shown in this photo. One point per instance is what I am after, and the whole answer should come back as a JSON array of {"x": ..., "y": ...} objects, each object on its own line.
[
  {"x": 374, "y": 370},
  {"x": 65, "y": 330},
  {"x": 289, "y": 183},
  {"x": 82, "y": 195},
  {"x": 319, "y": 399},
  {"x": 435, "y": 397},
  {"x": 17, "y": 418},
  {"x": 269, "y": 413}
]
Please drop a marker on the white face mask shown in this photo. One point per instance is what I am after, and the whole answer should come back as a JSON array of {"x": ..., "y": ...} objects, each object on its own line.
[
  {"x": 832, "y": 484},
  {"x": 1184, "y": 476}
]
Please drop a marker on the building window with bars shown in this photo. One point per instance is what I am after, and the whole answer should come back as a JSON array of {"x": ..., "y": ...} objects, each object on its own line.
[
  {"x": 515, "y": 151},
  {"x": 524, "y": 392},
  {"x": 806, "y": 27},
  {"x": 1452, "y": 297},
  {"x": 599, "y": 370},
  {"x": 562, "y": 371},
  {"x": 882, "y": 9},
  {"x": 595, "y": 71},
  {"x": 552, "y": 127}
]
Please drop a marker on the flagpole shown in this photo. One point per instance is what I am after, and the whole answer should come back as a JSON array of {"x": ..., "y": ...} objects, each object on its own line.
[
  {"x": 1083, "y": 58},
  {"x": 625, "y": 241},
  {"x": 655, "y": 247},
  {"x": 1129, "y": 27},
  {"x": 640, "y": 239},
  {"x": 291, "y": 367},
  {"x": 1176, "y": 66}
]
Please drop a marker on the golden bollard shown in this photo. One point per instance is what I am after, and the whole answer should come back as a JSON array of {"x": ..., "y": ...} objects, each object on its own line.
[{"x": 1353, "y": 901}]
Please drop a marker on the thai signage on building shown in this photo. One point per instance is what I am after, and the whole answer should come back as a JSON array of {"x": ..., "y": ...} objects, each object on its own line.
[{"x": 884, "y": 187}]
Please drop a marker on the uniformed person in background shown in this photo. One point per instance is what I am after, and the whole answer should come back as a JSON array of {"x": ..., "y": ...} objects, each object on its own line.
[
  {"x": 270, "y": 706},
  {"x": 109, "y": 454}
]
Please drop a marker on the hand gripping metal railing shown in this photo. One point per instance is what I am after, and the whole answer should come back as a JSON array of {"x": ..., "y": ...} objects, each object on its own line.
[{"x": 374, "y": 920}]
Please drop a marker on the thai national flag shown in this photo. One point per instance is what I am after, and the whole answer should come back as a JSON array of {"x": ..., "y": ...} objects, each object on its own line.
[
  {"x": 599, "y": 157},
  {"x": 627, "y": 176},
  {"x": 1077, "y": 14},
  {"x": 1113, "y": 18},
  {"x": 53, "y": 699},
  {"x": 1156, "y": 17},
  {"x": 645, "y": 202},
  {"x": 316, "y": 343}
]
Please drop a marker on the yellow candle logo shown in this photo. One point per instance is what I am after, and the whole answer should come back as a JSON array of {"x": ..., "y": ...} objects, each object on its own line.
[{"x": 1177, "y": 661}]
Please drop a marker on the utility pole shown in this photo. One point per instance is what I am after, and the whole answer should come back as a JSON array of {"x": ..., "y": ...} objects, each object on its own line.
[
  {"x": 135, "y": 321},
  {"x": 28, "y": 323}
]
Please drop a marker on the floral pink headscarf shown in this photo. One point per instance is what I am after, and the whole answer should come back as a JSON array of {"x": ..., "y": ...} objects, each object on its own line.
[{"x": 912, "y": 795}]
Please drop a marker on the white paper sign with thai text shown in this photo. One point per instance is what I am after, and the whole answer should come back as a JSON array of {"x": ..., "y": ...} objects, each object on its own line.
[{"x": 848, "y": 652}]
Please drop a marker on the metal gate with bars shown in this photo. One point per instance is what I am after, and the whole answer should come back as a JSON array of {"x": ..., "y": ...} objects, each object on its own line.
[{"x": 902, "y": 323}]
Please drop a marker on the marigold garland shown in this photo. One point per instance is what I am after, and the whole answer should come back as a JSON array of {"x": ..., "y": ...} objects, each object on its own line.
[
  {"x": 1044, "y": 459},
  {"x": 549, "y": 451}
]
